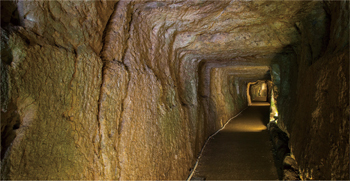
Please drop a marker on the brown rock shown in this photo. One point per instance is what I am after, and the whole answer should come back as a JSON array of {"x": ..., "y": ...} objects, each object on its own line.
[{"x": 132, "y": 89}]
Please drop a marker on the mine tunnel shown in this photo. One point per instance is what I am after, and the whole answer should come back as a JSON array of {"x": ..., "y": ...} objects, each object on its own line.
[{"x": 174, "y": 90}]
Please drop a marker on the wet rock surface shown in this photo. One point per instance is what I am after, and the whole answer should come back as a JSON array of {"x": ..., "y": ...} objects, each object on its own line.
[{"x": 132, "y": 89}]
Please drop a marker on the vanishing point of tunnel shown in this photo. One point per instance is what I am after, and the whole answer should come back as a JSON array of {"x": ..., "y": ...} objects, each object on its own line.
[{"x": 174, "y": 90}]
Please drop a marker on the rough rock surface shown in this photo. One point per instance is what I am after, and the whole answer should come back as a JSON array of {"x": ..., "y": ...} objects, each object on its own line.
[
  {"x": 131, "y": 89},
  {"x": 313, "y": 100},
  {"x": 258, "y": 91}
]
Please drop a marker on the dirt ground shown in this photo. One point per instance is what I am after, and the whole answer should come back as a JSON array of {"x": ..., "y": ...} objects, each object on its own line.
[{"x": 241, "y": 151}]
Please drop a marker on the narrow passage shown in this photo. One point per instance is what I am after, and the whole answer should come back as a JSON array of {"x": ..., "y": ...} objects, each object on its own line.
[{"x": 241, "y": 151}]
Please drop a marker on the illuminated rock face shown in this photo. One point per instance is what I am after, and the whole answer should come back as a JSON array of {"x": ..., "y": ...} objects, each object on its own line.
[
  {"x": 258, "y": 91},
  {"x": 130, "y": 90}
]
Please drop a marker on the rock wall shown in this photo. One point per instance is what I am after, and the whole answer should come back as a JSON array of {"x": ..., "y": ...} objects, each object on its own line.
[
  {"x": 98, "y": 90},
  {"x": 91, "y": 103},
  {"x": 223, "y": 97},
  {"x": 315, "y": 86},
  {"x": 54, "y": 75}
]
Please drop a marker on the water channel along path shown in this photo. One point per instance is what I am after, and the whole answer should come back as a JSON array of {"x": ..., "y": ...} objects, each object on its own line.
[{"x": 241, "y": 151}]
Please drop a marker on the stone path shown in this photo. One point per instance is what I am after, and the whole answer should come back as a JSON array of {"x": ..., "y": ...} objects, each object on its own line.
[{"x": 241, "y": 151}]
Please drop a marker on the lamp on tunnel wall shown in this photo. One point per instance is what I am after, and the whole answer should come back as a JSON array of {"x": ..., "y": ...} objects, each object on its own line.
[{"x": 263, "y": 89}]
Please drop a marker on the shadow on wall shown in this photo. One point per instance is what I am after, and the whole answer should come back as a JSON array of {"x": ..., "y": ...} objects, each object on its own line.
[
  {"x": 9, "y": 14},
  {"x": 10, "y": 119},
  {"x": 278, "y": 133},
  {"x": 307, "y": 78}
]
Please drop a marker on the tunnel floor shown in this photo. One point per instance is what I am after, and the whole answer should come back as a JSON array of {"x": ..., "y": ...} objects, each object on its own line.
[{"x": 241, "y": 151}]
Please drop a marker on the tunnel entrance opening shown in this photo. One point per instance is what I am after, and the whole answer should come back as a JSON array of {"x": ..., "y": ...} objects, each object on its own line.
[{"x": 259, "y": 93}]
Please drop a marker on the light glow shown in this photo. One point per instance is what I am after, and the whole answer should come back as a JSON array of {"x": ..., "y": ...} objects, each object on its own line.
[
  {"x": 251, "y": 125},
  {"x": 273, "y": 109}
]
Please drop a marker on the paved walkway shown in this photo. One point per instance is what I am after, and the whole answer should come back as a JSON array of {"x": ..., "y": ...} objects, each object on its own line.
[{"x": 241, "y": 151}]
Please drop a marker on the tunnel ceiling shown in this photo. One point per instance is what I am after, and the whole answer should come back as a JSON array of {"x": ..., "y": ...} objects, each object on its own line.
[
  {"x": 227, "y": 29},
  {"x": 225, "y": 33}
]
